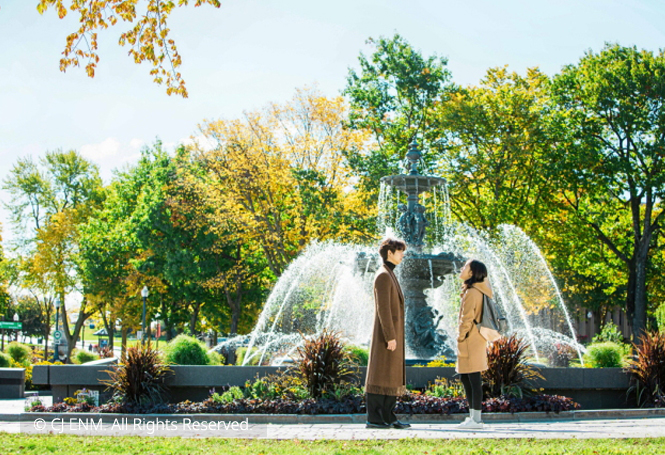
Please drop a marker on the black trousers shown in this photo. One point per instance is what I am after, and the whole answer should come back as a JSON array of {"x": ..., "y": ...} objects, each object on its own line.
[
  {"x": 381, "y": 408},
  {"x": 473, "y": 387}
]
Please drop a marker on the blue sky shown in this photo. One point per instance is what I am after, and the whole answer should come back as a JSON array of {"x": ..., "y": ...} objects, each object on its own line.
[{"x": 249, "y": 53}]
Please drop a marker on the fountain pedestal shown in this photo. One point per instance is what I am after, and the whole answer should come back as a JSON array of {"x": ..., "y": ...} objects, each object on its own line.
[{"x": 419, "y": 270}]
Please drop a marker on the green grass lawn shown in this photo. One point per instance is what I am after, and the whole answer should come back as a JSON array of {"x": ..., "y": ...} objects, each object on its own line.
[
  {"x": 72, "y": 445},
  {"x": 117, "y": 341}
]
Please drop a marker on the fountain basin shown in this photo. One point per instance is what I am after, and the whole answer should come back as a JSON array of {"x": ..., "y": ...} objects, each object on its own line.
[{"x": 413, "y": 184}]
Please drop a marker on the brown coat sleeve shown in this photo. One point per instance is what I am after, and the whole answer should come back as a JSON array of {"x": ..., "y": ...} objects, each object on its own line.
[
  {"x": 382, "y": 289},
  {"x": 470, "y": 301}
]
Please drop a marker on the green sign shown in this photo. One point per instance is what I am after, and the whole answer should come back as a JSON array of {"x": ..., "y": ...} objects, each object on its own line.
[
  {"x": 11, "y": 325},
  {"x": 57, "y": 335}
]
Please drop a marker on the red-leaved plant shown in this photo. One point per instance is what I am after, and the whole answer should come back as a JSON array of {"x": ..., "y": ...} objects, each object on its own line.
[
  {"x": 139, "y": 378},
  {"x": 323, "y": 362},
  {"x": 648, "y": 369},
  {"x": 508, "y": 373}
]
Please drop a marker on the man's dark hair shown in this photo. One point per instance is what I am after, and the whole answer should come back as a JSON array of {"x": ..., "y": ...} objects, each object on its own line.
[{"x": 390, "y": 245}]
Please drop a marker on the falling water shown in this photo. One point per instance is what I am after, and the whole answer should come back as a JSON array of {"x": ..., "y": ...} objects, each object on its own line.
[
  {"x": 513, "y": 239},
  {"x": 431, "y": 273},
  {"x": 321, "y": 289}
]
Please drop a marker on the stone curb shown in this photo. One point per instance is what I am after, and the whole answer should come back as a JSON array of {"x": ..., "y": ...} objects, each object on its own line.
[{"x": 284, "y": 419}]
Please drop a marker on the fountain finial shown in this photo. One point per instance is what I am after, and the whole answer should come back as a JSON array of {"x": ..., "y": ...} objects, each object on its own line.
[{"x": 413, "y": 155}]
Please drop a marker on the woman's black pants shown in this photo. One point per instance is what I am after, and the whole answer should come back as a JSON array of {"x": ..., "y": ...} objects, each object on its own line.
[
  {"x": 381, "y": 408},
  {"x": 473, "y": 387}
]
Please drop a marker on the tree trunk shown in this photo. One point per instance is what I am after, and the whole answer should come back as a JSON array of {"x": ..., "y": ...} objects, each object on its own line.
[
  {"x": 640, "y": 260},
  {"x": 109, "y": 329},
  {"x": 167, "y": 321},
  {"x": 630, "y": 291},
  {"x": 234, "y": 304},
  {"x": 123, "y": 344},
  {"x": 46, "y": 332},
  {"x": 46, "y": 357},
  {"x": 77, "y": 328},
  {"x": 194, "y": 318}
]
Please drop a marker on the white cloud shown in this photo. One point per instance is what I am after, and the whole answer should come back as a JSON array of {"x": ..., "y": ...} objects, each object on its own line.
[
  {"x": 112, "y": 153},
  {"x": 110, "y": 147},
  {"x": 205, "y": 143},
  {"x": 136, "y": 143}
]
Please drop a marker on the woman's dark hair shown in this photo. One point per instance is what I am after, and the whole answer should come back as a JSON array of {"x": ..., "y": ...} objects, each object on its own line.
[
  {"x": 390, "y": 245},
  {"x": 478, "y": 273}
]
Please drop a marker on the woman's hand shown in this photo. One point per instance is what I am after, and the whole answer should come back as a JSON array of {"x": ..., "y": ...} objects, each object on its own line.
[{"x": 392, "y": 345}]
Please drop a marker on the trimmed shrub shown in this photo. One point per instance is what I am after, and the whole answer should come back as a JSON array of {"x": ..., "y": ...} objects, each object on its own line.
[
  {"x": 605, "y": 355},
  {"x": 323, "y": 363},
  {"x": 561, "y": 355},
  {"x": 19, "y": 352},
  {"x": 508, "y": 373},
  {"x": 5, "y": 360},
  {"x": 609, "y": 332},
  {"x": 82, "y": 357},
  {"x": 139, "y": 378},
  {"x": 285, "y": 386},
  {"x": 215, "y": 358},
  {"x": 648, "y": 370},
  {"x": 186, "y": 350},
  {"x": 359, "y": 355},
  {"x": 241, "y": 352}
]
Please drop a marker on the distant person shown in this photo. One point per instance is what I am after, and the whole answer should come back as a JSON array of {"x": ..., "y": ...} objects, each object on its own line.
[
  {"x": 386, "y": 369},
  {"x": 90, "y": 347},
  {"x": 471, "y": 346}
]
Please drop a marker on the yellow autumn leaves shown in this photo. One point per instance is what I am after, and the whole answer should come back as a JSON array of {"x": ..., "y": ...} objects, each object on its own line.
[{"x": 278, "y": 177}]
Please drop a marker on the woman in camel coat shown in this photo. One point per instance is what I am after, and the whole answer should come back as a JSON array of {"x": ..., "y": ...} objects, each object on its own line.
[{"x": 471, "y": 346}]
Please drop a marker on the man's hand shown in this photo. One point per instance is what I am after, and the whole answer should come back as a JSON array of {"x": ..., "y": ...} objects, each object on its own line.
[{"x": 392, "y": 345}]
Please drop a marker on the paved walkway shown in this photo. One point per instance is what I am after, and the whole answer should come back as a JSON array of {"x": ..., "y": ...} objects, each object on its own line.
[
  {"x": 163, "y": 426},
  {"x": 592, "y": 429}
]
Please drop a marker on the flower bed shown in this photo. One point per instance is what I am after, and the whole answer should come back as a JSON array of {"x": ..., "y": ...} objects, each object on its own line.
[{"x": 410, "y": 403}]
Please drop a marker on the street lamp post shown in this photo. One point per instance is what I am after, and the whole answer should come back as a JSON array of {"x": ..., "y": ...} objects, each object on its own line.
[
  {"x": 57, "y": 329},
  {"x": 144, "y": 293},
  {"x": 16, "y": 320}
]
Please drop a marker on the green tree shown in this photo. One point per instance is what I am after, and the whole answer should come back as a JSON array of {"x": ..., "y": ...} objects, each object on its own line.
[
  {"x": 589, "y": 274},
  {"x": 611, "y": 162},
  {"x": 280, "y": 178},
  {"x": 36, "y": 283},
  {"x": 393, "y": 96},
  {"x": 5, "y": 273},
  {"x": 237, "y": 273},
  {"x": 497, "y": 138},
  {"x": 149, "y": 234},
  {"x": 49, "y": 204},
  {"x": 35, "y": 324},
  {"x": 114, "y": 257},
  {"x": 106, "y": 249}
]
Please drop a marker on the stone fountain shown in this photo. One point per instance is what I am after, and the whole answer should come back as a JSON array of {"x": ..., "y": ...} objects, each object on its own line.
[
  {"x": 419, "y": 270},
  {"x": 330, "y": 284}
]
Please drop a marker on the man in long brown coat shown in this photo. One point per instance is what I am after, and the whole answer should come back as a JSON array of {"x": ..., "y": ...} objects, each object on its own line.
[{"x": 386, "y": 369}]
